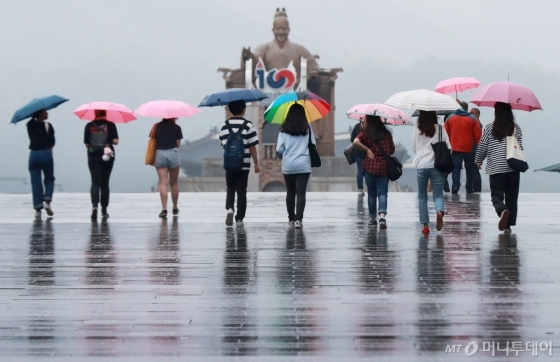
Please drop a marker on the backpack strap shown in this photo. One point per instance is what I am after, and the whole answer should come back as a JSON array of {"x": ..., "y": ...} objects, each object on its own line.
[
  {"x": 439, "y": 131},
  {"x": 378, "y": 144},
  {"x": 228, "y": 125},
  {"x": 309, "y": 133}
]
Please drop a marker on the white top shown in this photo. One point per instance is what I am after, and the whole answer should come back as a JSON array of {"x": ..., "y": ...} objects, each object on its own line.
[
  {"x": 422, "y": 146},
  {"x": 495, "y": 150},
  {"x": 295, "y": 152}
]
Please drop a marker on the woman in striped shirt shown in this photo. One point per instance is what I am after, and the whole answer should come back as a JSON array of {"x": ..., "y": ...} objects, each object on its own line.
[{"x": 504, "y": 181}]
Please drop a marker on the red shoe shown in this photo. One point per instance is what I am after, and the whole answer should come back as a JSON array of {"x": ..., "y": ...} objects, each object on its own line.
[
  {"x": 426, "y": 230},
  {"x": 439, "y": 222}
]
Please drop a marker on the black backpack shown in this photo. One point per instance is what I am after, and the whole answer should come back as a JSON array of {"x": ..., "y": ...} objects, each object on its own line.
[
  {"x": 442, "y": 154},
  {"x": 234, "y": 149},
  {"x": 98, "y": 139}
]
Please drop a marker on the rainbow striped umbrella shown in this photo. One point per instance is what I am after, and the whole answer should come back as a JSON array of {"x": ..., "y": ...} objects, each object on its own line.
[{"x": 315, "y": 107}]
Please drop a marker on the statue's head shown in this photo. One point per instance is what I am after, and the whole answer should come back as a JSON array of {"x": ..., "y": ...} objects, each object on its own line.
[{"x": 281, "y": 26}]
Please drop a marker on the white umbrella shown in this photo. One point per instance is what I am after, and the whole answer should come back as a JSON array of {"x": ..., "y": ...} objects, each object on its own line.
[{"x": 424, "y": 100}]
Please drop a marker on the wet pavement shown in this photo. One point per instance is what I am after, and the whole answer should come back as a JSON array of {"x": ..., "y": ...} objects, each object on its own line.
[{"x": 138, "y": 288}]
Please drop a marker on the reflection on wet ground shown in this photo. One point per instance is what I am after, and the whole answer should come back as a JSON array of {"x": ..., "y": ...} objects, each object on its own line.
[{"x": 140, "y": 287}]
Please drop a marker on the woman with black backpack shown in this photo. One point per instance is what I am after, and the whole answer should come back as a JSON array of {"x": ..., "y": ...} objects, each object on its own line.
[
  {"x": 424, "y": 136},
  {"x": 100, "y": 136},
  {"x": 375, "y": 135}
]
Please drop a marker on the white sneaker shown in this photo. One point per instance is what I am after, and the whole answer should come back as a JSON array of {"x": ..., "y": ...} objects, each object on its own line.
[
  {"x": 291, "y": 224},
  {"x": 38, "y": 214},
  {"x": 48, "y": 209},
  {"x": 298, "y": 224},
  {"x": 360, "y": 192},
  {"x": 239, "y": 224},
  {"x": 229, "y": 217}
]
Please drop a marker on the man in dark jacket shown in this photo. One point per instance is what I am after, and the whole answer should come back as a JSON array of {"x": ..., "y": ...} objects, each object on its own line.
[
  {"x": 359, "y": 155},
  {"x": 477, "y": 180}
]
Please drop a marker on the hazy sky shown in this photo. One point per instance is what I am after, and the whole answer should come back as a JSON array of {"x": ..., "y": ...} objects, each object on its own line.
[{"x": 131, "y": 52}]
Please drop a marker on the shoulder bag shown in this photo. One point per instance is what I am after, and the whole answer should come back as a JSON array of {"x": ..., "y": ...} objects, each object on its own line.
[
  {"x": 515, "y": 158},
  {"x": 443, "y": 161},
  {"x": 349, "y": 154},
  {"x": 151, "y": 150},
  {"x": 313, "y": 154},
  {"x": 394, "y": 166}
]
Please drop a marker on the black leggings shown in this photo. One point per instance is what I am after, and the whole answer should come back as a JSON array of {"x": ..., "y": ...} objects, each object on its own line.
[
  {"x": 296, "y": 184},
  {"x": 100, "y": 173},
  {"x": 505, "y": 187}
]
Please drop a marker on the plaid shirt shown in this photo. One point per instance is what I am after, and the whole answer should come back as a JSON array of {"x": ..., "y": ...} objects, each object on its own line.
[{"x": 376, "y": 166}]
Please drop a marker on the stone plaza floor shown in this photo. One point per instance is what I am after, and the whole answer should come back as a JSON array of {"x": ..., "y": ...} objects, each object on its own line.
[{"x": 138, "y": 288}]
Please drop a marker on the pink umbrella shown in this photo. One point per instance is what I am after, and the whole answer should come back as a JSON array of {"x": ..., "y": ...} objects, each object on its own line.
[
  {"x": 390, "y": 115},
  {"x": 166, "y": 109},
  {"x": 518, "y": 96},
  {"x": 117, "y": 113},
  {"x": 456, "y": 85}
]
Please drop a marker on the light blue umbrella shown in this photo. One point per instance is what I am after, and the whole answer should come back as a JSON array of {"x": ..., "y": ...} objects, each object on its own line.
[
  {"x": 37, "y": 104},
  {"x": 553, "y": 168},
  {"x": 232, "y": 94}
]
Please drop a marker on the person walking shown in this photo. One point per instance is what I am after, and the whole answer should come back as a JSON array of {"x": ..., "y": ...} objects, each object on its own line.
[
  {"x": 464, "y": 132},
  {"x": 236, "y": 181},
  {"x": 359, "y": 156},
  {"x": 374, "y": 135},
  {"x": 41, "y": 143},
  {"x": 504, "y": 181},
  {"x": 293, "y": 146},
  {"x": 425, "y": 134},
  {"x": 100, "y": 137},
  {"x": 477, "y": 180},
  {"x": 168, "y": 137}
]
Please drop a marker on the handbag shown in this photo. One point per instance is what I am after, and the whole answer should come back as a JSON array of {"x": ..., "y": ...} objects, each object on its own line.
[
  {"x": 394, "y": 166},
  {"x": 313, "y": 154},
  {"x": 349, "y": 153},
  {"x": 514, "y": 155},
  {"x": 151, "y": 150},
  {"x": 443, "y": 161}
]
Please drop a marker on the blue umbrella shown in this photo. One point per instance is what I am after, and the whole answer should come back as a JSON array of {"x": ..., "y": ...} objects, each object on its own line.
[
  {"x": 232, "y": 94},
  {"x": 37, "y": 104}
]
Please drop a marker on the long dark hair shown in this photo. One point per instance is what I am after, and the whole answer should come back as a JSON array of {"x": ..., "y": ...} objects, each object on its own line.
[
  {"x": 504, "y": 121},
  {"x": 375, "y": 129},
  {"x": 296, "y": 121},
  {"x": 427, "y": 121}
]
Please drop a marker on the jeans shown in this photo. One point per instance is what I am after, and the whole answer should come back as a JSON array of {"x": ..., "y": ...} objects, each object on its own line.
[
  {"x": 458, "y": 159},
  {"x": 377, "y": 188},
  {"x": 505, "y": 186},
  {"x": 360, "y": 173},
  {"x": 237, "y": 183},
  {"x": 296, "y": 184},
  {"x": 438, "y": 179},
  {"x": 100, "y": 173},
  {"x": 41, "y": 161},
  {"x": 477, "y": 179}
]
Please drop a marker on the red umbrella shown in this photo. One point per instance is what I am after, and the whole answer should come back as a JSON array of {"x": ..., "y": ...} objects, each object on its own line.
[
  {"x": 517, "y": 96},
  {"x": 116, "y": 113}
]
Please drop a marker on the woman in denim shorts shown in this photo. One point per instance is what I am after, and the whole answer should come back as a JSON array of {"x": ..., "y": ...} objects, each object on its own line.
[{"x": 168, "y": 139}]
